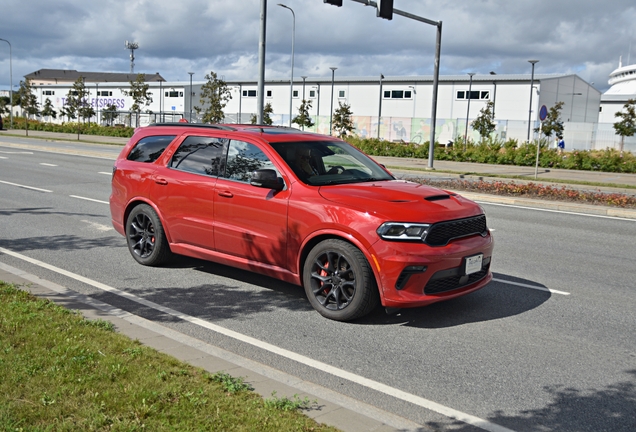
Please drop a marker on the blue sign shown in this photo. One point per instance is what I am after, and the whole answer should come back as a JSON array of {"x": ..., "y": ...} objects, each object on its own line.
[{"x": 543, "y": 113}]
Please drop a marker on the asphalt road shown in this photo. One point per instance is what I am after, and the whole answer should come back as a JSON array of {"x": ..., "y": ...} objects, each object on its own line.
[{"x": 550, "y": 345}]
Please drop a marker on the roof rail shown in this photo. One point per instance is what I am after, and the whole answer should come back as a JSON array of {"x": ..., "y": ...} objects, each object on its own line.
[{"x": 196, "y": 125}]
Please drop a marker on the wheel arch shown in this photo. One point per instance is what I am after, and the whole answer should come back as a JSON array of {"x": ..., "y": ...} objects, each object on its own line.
[{"x": 137, "y": 201}]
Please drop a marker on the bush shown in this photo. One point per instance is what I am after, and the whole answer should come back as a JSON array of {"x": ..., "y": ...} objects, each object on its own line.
[{"x": 72, "y": 127}]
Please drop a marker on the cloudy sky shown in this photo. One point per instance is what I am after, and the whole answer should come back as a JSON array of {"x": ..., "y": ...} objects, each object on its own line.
[{"x": 585, "y": 37}]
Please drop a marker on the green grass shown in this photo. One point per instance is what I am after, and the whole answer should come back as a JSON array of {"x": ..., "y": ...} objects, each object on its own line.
[{"x": 61, "y": 372}]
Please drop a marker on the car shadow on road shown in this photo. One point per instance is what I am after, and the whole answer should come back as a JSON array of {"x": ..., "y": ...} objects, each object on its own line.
[{"x": 495, "y": 301}]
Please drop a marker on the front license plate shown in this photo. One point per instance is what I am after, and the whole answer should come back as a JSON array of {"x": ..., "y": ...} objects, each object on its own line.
[{"x": 473, "y": 264}]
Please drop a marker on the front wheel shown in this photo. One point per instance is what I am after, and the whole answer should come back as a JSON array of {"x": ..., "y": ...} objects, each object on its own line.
[
  {"x": 339, "y": 282},
  {"x": 146, "y": 239}
]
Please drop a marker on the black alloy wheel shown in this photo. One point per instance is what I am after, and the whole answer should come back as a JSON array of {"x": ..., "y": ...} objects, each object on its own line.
[{"x": 147, "y": 241}]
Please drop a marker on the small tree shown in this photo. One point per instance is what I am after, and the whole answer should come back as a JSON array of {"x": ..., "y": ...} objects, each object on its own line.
[
  {"x": 75, "y": 101},
  {"x": 140, "y": 95},
  {"x": 484, "y": 123},
  {"x": 342, "y": 122},
  {"x": 552, "y": 123},
  {"x": 27, "y": 101},
  {"x": 109, "y": 114},
  {"x": 214, "y": 97},
  {"x": 303, "y": 119},
  {"x": 48, "y": 110},
  {"x": 267, "y": 112},
  {"x": 627, "y": 125}
]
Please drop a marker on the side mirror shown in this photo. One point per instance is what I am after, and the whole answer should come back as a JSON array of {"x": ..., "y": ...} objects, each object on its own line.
[{"x": 267, "y": 178}]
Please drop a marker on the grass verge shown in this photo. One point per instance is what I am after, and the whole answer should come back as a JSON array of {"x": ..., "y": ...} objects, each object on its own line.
[{"x": 61, "y": 372}]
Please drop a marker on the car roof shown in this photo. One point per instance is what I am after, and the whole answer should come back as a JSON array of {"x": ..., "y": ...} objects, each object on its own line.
[{"x": 267, "y": 132}]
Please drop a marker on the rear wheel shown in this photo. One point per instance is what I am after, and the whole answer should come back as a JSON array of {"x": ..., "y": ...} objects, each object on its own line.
[
  {"x": 146, "y": 239},
  {"x": 339, "y": 282}
]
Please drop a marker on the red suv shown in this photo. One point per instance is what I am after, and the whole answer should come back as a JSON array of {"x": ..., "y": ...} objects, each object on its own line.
[{"x": 305, "y": 208}]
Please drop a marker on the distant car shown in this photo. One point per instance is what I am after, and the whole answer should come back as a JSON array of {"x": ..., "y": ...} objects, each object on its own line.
[{"x": 305, "y": 208}]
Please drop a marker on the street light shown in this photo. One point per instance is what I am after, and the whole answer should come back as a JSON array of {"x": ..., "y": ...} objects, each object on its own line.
[
  {"x": 10, "y": 85},
  {"x": 380, "y": 105},
  {"x": 470, "y": 89},
  {"x": 304, "y": 78},
  {"x": 333, "y": 72},
  {"x": 531, "y": 86},
  {"x": 291, "y": 80},
  {"x": 191, "y": 73}
]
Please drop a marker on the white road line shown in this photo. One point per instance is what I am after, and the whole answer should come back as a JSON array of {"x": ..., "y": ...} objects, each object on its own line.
[
  {"x": 25, "y": 187},
  {"x": 324, "y": 367},
  {"x": 16, "y": 152},
  {"x": 3, "y": 157},
  {"x": 89, "y": 199},
  {"x": 530, "y": 286},
  {"x": 107, "y": 173},
  {"x": 98, "y": 226},
  {"x": 47, "y": 164},
  {"x": 556, "y": 211}
]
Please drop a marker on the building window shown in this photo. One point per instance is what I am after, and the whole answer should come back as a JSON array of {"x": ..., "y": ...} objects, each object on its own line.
[
  {"x": 474, "y": 95},
  {"x": 49, "y": 92},
  {"x": 249, "y": 93},
  {"x": 295, "y": 93},
  {"x": 269, "y": 93},
  {"x": 397, "y": 94},
  {"x": 341, "y": 94},
  {"x": 312, "y": 93},
  {"x": 173, "y": 93},
  {"x": 108, "y": 93}
]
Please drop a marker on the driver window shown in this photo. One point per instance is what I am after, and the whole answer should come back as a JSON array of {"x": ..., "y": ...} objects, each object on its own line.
[{"x": 244, "y": 158}]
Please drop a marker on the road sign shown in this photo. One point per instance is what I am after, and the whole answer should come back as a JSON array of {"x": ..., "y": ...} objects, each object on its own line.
[{"x": 543, "y": 113}]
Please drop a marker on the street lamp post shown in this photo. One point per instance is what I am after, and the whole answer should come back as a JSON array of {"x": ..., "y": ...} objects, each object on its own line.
[
  {"x": 10, "y": 85},
  {"x": 291, "y": 80},
  {"x": 531, "y": 90},
  {"x": 333, "y": 72},
  {"x": 470, "y": 89},
  {"x": 190, "y": 95},
  {"x": 380, "y": 106},
  {"x": 97, "y": 103},
  {"x": 303, "y": 101}
]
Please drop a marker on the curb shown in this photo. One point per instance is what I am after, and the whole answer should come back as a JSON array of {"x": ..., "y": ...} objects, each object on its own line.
[{"x": 330, "y": 408}]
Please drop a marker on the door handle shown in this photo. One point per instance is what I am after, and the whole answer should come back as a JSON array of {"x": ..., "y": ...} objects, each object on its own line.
[
  {"x": 161, "y": 181},
  {"x": 226, "y": 194}
]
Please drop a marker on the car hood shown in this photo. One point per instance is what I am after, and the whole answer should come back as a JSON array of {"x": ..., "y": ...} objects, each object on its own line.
[{"x": 402, "y": 201}]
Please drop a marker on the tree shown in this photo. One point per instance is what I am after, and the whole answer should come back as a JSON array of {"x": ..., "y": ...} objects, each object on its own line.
[
  {"x": 4, "y": 108},
  {"x": 140, "y": 95},
  {"x": 553, "y": 123},
  {"x": 214, "y": 97},
  {"x": 75, "y": 101},
  {"x": 67, "y": 112},
  {"x": 27, "y": 101},
  {"x": 47, "y": 109},
  {"x": 109, "y": 114},
  {"x": 484, "y": 123},
  {"x": 267, "y": 112},
  {"x": 303, "y": 119},
  {"x": 627, "y": 126},
  {"x": 342, "y": 122}
]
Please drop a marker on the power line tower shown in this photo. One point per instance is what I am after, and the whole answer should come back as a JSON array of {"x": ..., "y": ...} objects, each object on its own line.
[{"x": 132, "y": 46}]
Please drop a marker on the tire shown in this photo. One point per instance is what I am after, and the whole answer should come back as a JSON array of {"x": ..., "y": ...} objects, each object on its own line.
[
  {"x": 146, "y": 239},
  {"x": 339, "y": 282}
]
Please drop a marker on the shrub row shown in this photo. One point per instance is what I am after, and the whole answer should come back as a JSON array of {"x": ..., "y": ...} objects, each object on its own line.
[
  {"x": 72, "y": 127},
  {"x": 505, "y": 153}
]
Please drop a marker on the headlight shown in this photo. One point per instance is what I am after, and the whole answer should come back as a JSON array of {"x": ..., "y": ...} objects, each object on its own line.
[{"x": 403, "y": 231}]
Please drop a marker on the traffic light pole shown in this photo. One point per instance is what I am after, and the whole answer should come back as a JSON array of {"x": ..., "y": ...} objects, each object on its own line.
[{"x": 438, "y": 47}]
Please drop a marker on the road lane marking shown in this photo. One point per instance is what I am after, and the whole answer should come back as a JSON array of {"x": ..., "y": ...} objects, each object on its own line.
[
  {"x": 15, "y": 152},
  {"x": 89, "y": 199},
  {"x": 557, "y": 211},
  {"x": 104, "y": 172},
  {"x": 323, "y": 367},
  {"x": 47, "y": 164},
  {"x": 25, "y": 187},
  {"x": 3, "y": 157},
  {"x": 98, "y": 226},
  {"x": 540, "y": 288}
]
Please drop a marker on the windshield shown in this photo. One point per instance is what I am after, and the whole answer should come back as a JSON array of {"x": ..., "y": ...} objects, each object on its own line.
[{"x": 321, "y": 163}]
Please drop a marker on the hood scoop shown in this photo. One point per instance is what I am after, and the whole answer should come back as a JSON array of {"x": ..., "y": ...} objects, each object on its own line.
[{"x": 437, "y": 197}]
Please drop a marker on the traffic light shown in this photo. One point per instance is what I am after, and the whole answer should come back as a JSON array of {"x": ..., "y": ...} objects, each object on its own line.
[
  {"x": 385, "y": 9},
  {"x": 334, "y": 2}
]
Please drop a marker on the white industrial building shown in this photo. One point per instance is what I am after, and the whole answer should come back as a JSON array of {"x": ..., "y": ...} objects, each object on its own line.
[{"x": 403, "y": 104}]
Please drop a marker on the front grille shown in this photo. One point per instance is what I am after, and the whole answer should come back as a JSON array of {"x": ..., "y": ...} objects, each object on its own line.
[
  {"x": 441, "y": 233},
  {"x": 454, "y": 282}
]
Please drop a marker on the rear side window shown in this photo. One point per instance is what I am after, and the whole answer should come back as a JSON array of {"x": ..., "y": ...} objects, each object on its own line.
[
  {"x": 150, "y": 148},
  {"x": 200, "y": 155},
  {"x": 244, "y": 158}
]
